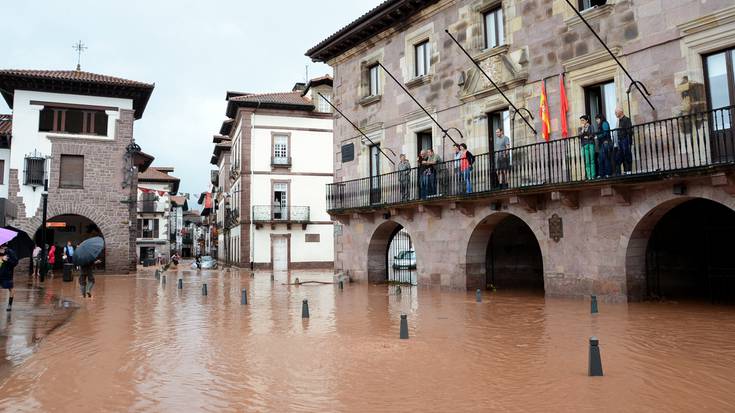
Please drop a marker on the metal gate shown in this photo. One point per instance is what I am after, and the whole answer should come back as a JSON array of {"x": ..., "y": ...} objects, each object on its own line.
[{"x": 401, "y": 258}]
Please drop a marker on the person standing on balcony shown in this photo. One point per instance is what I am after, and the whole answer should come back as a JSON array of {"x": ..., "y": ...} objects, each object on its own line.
[
  {"x": 432, "y": 164},
  {"x": 404, "y": 176},
  {"x": 423, "y": 177},
  {"x": 587, "y": 140},
  {"x": 467, "y": 159},
  {"x": 502, "y": 157},
  {"x": 625, "y": 141},
  {"x": 603, "y": 141},
  {"x": 456, "y": 186}
]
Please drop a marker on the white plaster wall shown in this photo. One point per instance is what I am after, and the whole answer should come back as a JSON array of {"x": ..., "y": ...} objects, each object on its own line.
[
  {"x": 310, "y": 151},
  {"x": 163, "y": 205},
  {"x": 27, "y": 138},
  {"x": 305, "y": 191},
  {"x": 301, "y": 251},
  {"x": 5, "y": 156}
]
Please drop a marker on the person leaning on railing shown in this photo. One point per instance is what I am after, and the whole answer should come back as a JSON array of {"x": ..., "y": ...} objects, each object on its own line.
[
  {"x": 605, "y": 145},
  {"x": 587, "y": 140},
  {"x": 404, "y": 175},
  {"x": 625, "y": 142}
]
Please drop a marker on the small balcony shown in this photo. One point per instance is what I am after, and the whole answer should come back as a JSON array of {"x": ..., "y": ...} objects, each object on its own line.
[
  {"x": 151, "y": 206},
  {"x": 685, "y": 144},
  {"x": 148, "y": 234},
  {"x": 274, "y": 214},
  {"x": 280, "y": 161}
]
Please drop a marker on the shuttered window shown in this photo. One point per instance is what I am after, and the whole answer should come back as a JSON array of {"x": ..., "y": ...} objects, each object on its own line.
[{"x": 71, "y": 171}]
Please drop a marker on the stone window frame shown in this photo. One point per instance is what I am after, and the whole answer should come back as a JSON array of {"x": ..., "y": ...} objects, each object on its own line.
[
  {"x": 61, "y": 162},
  {"x": 410, "y": 140},
  {"x": 477, "y": 43},
  {"x": 363, "y": 158},
  {"x": 365, "y": 98},
  {"x": 422, "y": 34},
  {"x": 288, "y": 150},
  {"x": 592, "y": 14}
]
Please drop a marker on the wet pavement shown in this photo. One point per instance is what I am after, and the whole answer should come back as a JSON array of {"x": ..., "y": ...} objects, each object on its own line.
[{"x": 138, "y": 345}]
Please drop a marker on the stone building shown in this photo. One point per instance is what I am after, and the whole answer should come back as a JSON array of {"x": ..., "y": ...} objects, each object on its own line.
[
  {"x": 537, "y": 216},
  {"x": 280, "y": 161},
  {"x": 74, "y": 129}
]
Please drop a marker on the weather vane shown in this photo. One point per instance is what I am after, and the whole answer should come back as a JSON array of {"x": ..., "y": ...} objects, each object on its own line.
[{"x": 79, "y": 47}]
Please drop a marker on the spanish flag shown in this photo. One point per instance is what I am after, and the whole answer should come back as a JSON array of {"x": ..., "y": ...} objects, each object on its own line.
[{"x": 544, "y": 113}]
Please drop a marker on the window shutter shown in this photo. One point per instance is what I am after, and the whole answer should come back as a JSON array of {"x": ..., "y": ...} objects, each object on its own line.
[{"x": 71, "y": 171}]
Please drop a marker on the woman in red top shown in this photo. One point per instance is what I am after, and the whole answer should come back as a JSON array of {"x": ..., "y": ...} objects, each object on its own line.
[
  {"x": 51, "y": 259},
  {"x": 465, "y": 165}
]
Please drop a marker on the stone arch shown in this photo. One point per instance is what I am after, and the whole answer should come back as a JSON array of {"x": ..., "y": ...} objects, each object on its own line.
[
  {"x": 475, "y": 260},
  {"x": 643, "y": 229},
  {"x": 67, "y": 208},
  {"x": 378, "y": 249}
]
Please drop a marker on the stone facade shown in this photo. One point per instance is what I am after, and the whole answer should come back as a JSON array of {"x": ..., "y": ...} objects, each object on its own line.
[
  {"x": 103, "y": 199},
  {"x": 606, "y": 227}
]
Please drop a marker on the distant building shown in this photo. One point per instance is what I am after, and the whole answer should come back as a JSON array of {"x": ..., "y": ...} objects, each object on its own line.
[
  {"x": 74, "y": 129},
  {"x": 275, "y": 211},
  {"x": 221, "y": 181},
  {"x": 155, "y": 189}
]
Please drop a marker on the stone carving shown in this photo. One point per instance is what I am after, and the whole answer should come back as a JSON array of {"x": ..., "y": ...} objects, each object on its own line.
[{"x": 556, "y": 228}]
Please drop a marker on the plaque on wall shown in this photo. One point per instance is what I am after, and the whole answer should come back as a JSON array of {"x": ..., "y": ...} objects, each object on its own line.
[
  {"x": 348, "y": 152},
  {"x": 556, "y": 228}
]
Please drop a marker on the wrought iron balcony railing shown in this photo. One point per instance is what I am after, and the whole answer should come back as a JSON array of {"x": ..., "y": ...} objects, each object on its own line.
[
  {"x": 682, "y": 143},
  {"x": 275, "y": 213},
  {"x": 281, "y": 161},
  {"x": 151, "y": 206}
]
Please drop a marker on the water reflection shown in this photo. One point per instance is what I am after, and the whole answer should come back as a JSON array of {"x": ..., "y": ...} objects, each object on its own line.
[{"x": 138, "y": 345}]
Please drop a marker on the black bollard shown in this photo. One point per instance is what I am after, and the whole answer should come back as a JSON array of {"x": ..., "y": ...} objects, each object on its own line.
[
  {"x": 398, "y": 289},
  {"x": 341, "y": 285},
  {"x": 478, "y": 296},
  {"x": 404, "y": 327},
  {"x": 204, "y": 289},
  {"x": 305, "y": 308},
  {"x": 158, "y": 274},
  {"x": 163, "y": 279},
  {"x": 272, "y": 277},
  {"x": 244, "y": 297},
  {"x": 595, "y": 362},
  {"x": 593, "y": 305},
  {"x": 181, "y": 283}
]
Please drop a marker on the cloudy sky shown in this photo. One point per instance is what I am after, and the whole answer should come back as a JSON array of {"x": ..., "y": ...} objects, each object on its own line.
[{"x": 192, "y": 50}]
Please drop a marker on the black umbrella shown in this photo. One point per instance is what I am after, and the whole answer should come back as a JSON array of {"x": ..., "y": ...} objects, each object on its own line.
[
  {"x": 22, "y": 244},
  {"x": 88, "y": 251}
]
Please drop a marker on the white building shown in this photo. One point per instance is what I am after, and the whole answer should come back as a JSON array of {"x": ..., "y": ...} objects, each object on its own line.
[
  {"x": 155, "y": 189},
  {"x": 281, "y": 161},
  {"x": 220, "y": 187}
]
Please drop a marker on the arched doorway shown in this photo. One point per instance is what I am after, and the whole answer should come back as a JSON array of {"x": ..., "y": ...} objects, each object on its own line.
[
  {"x": 689, "y": 254},
  {"x": 391, "y": 255},
  {"x": 68, "y": 227},
  {"x": 504, "y": 254}
]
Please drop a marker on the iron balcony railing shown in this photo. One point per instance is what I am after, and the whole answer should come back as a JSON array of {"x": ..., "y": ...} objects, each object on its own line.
[
  {"x": 151, "y": 206},
  {"x": 284, "y": 161},
  {"x": 676, "y": 144},
  {"x": 271, "y": 213}
]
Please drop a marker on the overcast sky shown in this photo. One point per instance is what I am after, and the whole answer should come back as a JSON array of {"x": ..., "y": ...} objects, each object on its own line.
[{"x": 192, "y": 50}]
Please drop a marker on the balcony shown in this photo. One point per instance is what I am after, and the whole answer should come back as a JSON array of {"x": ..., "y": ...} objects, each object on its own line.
[
  {"x": 151, "y": 206},
  {"x": 148, "y": 234},
  {"x": 280, "y": 161},
  {"x": 274, "y": 214},
  {"x": 702, "y": 141}
]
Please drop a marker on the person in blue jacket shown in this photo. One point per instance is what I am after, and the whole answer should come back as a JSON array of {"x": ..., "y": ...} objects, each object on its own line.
[{"x": 605, "y": 145}]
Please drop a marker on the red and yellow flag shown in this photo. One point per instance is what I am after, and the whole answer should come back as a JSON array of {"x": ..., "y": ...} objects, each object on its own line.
[
  {"x": 564, "y": 107},
  {"x": 544, "y": 113}
]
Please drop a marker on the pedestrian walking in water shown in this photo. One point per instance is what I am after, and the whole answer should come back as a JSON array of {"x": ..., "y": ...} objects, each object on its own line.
[
  {"x": 68, "y": 253},
  {"x": 8, "y": 261},
  {"x": 198, "y": 261},
  {"x": 36, "y": 261}
]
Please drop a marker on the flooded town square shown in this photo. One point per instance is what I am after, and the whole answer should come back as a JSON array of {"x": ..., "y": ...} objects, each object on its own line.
[{"x": 140, "y": 345}]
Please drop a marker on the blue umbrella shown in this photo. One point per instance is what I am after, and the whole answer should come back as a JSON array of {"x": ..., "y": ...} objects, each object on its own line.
[{"x": 88, "y": 251}]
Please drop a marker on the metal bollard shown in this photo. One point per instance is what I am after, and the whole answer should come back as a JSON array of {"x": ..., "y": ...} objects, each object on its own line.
[
  {"x": 404, "y": 327},
  {"x": 398, "y": 289},
  {"x": 244, "y": 297},
  {"x": 158, "y": 274},
  {"x": 163, "y": 279},
  {"x": 272, "y": 277},
  {"x": 595, "y": 362},
  {"x": 305, "y": 308},
  {"x": 181, "y": 283},
  {"x": 204, "y": 289},
  {"x": 478, "y": 296},
  {"x": 593, "y": 305},
  {"x": 341, "y": 285}
]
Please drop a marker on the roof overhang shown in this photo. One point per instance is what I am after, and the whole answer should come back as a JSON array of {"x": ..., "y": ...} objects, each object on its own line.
[
  {"x": 142, "y": 160},
  {"x": 234, "y": 105}
]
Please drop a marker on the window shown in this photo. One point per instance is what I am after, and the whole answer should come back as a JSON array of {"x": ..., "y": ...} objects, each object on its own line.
[
  {"x": 375, "y": 173},
  {"x": 494, "y": 34},
  {"x": 588, "y": 4},
  {"x": 500, "y": 119},
  {"x": 280, "y": 151},
  {"x": 423, "y": 56},
  {"x": 71, "y": 171},
  {"x": 147, "y": 228},
  {"x": 721, "y": 79},
  {"x": 2, "y": 171},
  {"x": 312, "y": 237},
  {"x": 77, "y": 121},
  {"x": 280, "y": 200},
  {"x": 373, "y": 80},
  {"x": 601, "y": 99},
  {"x": 35, "y": 171},
  {"x": 322, "y": 105},
  {"x": 423, "y": 141}
]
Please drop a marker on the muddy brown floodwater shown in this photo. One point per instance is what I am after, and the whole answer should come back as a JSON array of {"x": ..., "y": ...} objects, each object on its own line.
[{"x": 140, "y": 346}]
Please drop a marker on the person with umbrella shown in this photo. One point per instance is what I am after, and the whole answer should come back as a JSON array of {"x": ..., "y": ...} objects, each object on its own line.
[
  {"x": 85, "y": 257},
  {"x": 8, "y": 261}
]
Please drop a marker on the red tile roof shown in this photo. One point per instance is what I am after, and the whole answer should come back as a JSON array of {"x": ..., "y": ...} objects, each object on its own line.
[
  {"x": 6, "y": 124},
  {"x": 285, "y": 98},
  {"x": 75, "y": 82},
  {"x": 154, "y": 175}
]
